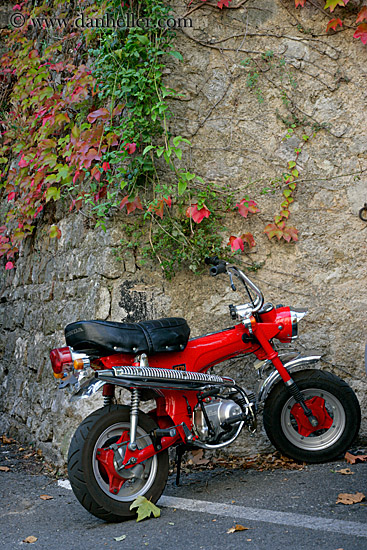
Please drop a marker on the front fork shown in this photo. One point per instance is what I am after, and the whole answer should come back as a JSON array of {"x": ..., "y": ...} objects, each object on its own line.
[{"x": 290, "y": 384}]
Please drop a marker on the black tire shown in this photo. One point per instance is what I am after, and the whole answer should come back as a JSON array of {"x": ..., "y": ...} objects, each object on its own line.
[
  {"x": 102, "y": 428},
  {"x": 326, "y": 444}
]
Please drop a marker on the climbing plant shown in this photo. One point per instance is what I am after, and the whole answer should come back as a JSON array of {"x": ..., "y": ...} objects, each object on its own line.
[{"x": 85, "y": 125}]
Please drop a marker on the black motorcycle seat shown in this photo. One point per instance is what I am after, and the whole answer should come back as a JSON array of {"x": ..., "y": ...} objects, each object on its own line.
[{"x": 100, "y": 338}]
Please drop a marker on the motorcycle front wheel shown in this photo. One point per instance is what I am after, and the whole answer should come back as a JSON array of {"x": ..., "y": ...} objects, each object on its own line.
[
  {"x": 88, "y": 477},
  {"x": 332, "y": 402}
]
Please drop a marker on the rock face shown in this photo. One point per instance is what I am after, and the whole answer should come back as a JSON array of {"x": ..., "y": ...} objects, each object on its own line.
[{"x": 237, "y": 139}]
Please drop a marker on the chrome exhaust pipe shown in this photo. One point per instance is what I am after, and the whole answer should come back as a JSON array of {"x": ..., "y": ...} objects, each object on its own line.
[{"x": 149, "y": 377}]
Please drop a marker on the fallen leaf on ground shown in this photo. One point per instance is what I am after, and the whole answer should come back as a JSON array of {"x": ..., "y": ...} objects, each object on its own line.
[
  {"x": 237, "y": 527},
  {"x": 6, "y": 440},
  {"x": 46, "y": 497},
  {"x": 30, "y": 539},
  {"x": 345, "y": 471},
  {"x": 198, "y": 458},
  {"x": 118, "y": 539},
  {"x": 347, "y": 498},
  {"x": 145, "y": 508},
  {"x": 4, "y": 469},
  {"x": 352, "y": 459}
]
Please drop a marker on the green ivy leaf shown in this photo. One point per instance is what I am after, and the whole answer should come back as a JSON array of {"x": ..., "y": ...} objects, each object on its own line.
[
  {"x": 52, "y": 193},
  {"x": 145, "y": 508},
  {"x": 177, "y": 55},
  {"x": 143, "y": 39}
]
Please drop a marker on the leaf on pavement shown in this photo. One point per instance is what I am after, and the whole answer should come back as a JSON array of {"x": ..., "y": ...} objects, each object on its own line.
[
  {"x": 118, "y": 539},
  {"x": 352, "y": 459},
  {"x": 4, "y": 469},
  {"x": 6, "y": 440},
  {"x": 46, "y": 497},
  {"x": 237, "y": 527},
  {"x": 30, "y": 539},
  {"x": 347, "y": 498},
  {"x": 345, "y": 471},
  {"x": 145, "y": 508}
]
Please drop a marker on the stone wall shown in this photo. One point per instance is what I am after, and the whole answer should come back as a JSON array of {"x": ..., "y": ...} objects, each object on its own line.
[{"x": 237, "y": 141}]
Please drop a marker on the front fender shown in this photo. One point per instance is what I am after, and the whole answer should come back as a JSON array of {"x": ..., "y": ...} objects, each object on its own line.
[{"x": 291, "y": 366}]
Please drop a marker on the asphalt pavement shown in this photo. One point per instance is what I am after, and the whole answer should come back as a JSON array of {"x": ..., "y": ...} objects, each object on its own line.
[{"x": 292, "y": 509}]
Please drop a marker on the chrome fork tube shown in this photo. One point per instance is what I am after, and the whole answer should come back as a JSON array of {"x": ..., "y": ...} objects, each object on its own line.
[{"x": 134, "y": 414}]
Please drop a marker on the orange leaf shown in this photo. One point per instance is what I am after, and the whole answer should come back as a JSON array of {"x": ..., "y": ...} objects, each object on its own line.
[
  {"x": 362, "y": 15},
  {"x": 352, "y": 459},
  {"x": 4, "y": 469},
  {"x": 249, "y": 239},
  {"x": 131, "y": 205},
  {"x": 237, "y": 527},
  {"x": 46, "y": 497},
  {"x": 30, "y": 539},
  {"x": 348, "y": 498}
]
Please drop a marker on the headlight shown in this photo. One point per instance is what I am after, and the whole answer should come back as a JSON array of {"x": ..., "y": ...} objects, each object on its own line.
[{"x": 296, "y": 316}]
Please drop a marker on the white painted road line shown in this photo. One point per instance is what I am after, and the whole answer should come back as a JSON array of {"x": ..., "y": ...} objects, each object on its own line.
[
  {"x": 268, "y": 516},
  {"x": 316, "y": 523}
]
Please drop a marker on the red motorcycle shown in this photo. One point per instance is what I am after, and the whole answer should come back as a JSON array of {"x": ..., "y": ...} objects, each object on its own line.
[{"x": 119, "y": 452}]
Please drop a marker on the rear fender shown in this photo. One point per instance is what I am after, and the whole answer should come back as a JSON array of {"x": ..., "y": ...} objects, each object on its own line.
[{"x": 291, "y": 366}]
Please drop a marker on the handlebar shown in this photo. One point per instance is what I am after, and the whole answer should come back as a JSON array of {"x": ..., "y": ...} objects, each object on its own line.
[{"x": 221, "y": 266}]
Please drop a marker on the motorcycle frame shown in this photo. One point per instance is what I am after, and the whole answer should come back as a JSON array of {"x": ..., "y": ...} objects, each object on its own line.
[{"x": 175, "y": 406}]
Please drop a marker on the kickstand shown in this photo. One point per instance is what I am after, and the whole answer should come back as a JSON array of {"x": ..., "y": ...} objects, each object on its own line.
[{"x": 179, "y": 454}]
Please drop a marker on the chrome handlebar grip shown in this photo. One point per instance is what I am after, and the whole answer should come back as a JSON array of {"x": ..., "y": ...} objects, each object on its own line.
[{"x": 259, "y": 300}]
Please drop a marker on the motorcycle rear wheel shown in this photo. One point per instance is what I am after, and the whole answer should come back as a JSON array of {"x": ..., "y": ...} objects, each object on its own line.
[
  {"x": 87, "y": 478},
  {"x": 339, "y": 416}
]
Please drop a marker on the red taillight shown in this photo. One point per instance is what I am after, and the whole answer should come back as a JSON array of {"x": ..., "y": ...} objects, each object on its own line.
[{"x": 59, "y": 358}]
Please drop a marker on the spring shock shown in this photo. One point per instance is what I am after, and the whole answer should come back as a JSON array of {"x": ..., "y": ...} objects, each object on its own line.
[
  {"x": 108, "y": 394},
  {"x": 134, "y": 415}
]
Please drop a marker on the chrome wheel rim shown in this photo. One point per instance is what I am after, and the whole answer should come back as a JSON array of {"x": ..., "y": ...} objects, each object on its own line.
[
  {"x": 321, "y": 439},
  {"x": 134, "y": 486}
]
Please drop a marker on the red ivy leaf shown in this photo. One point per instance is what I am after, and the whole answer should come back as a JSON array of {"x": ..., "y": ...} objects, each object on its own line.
[
  {"x": 22, "y": 163},
  {"x": 96, "y": 173},
  {"x": 362, "y": 15},
  {"x": 222, "y": 3},
  {"x": 9, "y": 265},
  {"x": 290, "y": 233},
  {"x": 361, "y": 33},
  {"x": 130, "y": 148},
  {"x": 333, "y": 23},
  {"x": 102, "y": 113},
  {"x": 106, "y": 166},
  {"x": 246, "y": 206},
  {"x": 197, "y": 214},
  {"x": 300, "y": 3},
  {"x": 236, "y": 243},
  {"x": 101, "y": 194},
  {"x": 11, "y": 196},
  {"x": 131, "y": 205}
]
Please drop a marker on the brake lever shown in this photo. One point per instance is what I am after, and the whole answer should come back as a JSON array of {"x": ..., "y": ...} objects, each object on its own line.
[{"x": 231, "y": 281}]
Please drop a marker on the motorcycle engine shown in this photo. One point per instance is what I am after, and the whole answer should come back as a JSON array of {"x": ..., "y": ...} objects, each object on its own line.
[{"x": 217, "y": 411}]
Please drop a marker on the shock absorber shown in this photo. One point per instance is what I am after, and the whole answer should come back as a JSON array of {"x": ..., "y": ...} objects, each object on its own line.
[
  {"x": 108, "y": 393},
  {"x": 134, "y": 415}
]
